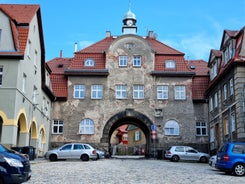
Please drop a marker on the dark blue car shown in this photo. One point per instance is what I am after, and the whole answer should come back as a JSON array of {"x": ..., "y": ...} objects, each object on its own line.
[
  {"x": 14, "y": 167},
  {"x": 231, "y": 158}
]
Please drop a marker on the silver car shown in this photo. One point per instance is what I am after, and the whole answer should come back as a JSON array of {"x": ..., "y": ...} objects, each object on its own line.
[
  {"x": 176, "y": 153},
  {"x": 72, "y": 151}
]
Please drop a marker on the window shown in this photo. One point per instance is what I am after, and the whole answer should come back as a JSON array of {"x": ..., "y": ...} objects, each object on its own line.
[
  {"x": 137, "y": 61},
  {"x": 1, "y": 75},
  {"x": 171, "y": 128},
  {"x": 122, "y": 60},
  {"x": 138, "y": 92},
  {"x": 180, "y": 93},
  {"x": 211, "y": 107},
  {"x": 66, "y": 147},
  {"x": 79, "y": 91},
  {"x": 35, "y": 58},
  {"x": 215, "y": 100},
  {"x": 225, "y": 92},
  {"x": 226, "y": 126},
  {"x": 231, "y": 87},
  {"x": 78, "y": 147},
  {"x": 86, "y": 126},
  {"x": 201, "y": 128},
  {"x": 137, "y": 135},
  {"x": 24, "y": 83},
  {"x": 212, "y": 134},
  {"x": 170, "y": 64},
  {"x": 121, "y": 91},
  {"x": 89, "y": 62},
  {"x": 96, "y": 91},
  {"x": 162, "y": 92},
  {"x": 233, "y": 122},
  {"x": 57, "y": 126},
  {"x": 34, "y": 96},
  {"x": 214, "y": 70}
]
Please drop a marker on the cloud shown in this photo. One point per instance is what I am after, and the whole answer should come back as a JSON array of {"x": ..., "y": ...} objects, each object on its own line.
[{"x": 195, "y": 46}]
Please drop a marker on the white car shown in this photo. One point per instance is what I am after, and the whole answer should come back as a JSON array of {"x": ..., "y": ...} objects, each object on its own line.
[
  {"x": 212, "y": 161},
  {"x": 72, "y": 151},
  {"x": 176, "y": 153}
]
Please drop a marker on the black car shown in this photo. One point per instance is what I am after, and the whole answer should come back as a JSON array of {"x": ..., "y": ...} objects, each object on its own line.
[{"x": 14, "y": 167}]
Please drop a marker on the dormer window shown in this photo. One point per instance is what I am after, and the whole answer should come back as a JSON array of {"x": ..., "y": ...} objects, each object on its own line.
[
  {"x": 170, "y": 64},
  {"x": 89, "y": 62},
  {"x": 228, "y": 52}
]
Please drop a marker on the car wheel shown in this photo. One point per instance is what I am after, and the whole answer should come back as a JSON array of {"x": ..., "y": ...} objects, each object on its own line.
[
  {"x": 203, "y": 160},
  {"x": 53, "y": 157},
  {"x": 239, "y": 169},
  {"x": 84, "y": 157},
  {"x": 175, "y": 158},
  {"x": 98, "y": 156}
]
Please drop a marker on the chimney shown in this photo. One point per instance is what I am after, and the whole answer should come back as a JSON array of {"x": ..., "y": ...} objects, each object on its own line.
[
  {"x": 75, "y": 47},
  {"x": 108, "y": 34},
  {"x": 60, "y": 53},
  {"x": 150, "y": 34}
]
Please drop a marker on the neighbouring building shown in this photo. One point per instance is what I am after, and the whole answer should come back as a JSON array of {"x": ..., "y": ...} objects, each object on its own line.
[
  {"x": 226, "y": 90},
  {"x": 25, "y": 96},
  {"x": 129, "y": 79}
]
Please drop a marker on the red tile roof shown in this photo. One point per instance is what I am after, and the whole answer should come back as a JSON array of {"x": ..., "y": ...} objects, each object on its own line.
[
  {"x": 199, "y": 86},
  {"x": 19, "y": 15},
  {"x": 58, "y": 78},
  {"x": 200, "y": 67}
]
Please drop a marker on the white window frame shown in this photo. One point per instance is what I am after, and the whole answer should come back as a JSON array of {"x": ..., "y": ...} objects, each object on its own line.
[
  {"x": 202, "y": 127},
  {"x": 162, "y": 92},
  {"x": 170, "y": 64},
  {"x": 96, "y": 91},
  {"x": 137, "y": 135},
  {"x": 121, "y": 91},
  {"x": 79, "y": 91},
  {"x": 123, "y": 61},
  {"x": 138, "y": 92},
  {"x": 89, "y": 62},
  {"x": 171, "y": 128},
  {"x": 137, "y": 61},
  {"x": 86, "y": 126},
  {"x": 179, "y": 92},
  {"x": 59, "y": 124}
]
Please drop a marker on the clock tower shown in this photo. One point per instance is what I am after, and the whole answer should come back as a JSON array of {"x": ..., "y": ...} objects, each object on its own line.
[{"x": 129, "y": 23}]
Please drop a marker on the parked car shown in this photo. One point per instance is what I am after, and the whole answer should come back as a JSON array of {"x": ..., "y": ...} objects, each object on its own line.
[
  {"x": 176, "y": 153},
  {"x": 231, "y": 158},
  {"x": 14, "y": 167},
  {"x": 72, "y": 151},
  {"x": 212, "y": 161},
  {"x": 100, "y": 153}
]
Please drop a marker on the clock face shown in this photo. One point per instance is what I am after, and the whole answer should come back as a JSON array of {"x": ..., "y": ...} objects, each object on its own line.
[{"x": 129, "y": 22}]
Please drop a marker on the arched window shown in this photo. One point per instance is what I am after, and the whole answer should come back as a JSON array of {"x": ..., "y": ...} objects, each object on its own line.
[
  {"x": 86, "y": 126},
  {"x": 89, "y": 62},
  {"x": 171, "y": 128}
]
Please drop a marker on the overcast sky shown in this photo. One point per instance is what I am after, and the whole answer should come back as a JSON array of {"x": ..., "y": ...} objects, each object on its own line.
[{"x": 190, "y": 26}]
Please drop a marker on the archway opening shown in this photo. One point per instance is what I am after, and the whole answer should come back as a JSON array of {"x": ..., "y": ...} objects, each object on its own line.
[{"x": 132, "y": 118}]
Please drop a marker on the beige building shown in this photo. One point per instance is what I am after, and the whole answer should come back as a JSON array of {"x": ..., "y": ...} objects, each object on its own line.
[
  {"x": 129, "y": 79},
  {"x": 25, "y": 108},
  {"x": 226, "y": 91}
]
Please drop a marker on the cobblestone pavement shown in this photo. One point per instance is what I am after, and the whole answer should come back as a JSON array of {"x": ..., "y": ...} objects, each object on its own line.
[{"x": 130, "y": 171}]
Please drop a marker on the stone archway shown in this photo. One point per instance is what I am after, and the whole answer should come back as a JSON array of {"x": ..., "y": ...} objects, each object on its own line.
[{"x": 129, "y": 115}]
